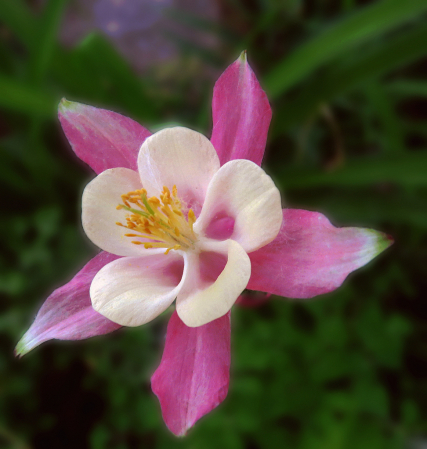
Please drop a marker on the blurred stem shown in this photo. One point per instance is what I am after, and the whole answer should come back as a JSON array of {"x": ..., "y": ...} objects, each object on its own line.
[
  {"x": 338, "y": 158},
  {"x": 303, "y": 136},
  {"x": 326, "y": 113}
]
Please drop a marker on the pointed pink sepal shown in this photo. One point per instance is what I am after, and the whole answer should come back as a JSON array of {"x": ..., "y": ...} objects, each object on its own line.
[
  {"x": 310, "y": 256},
  {"x": 103, "y": 139},
  {"x": 194, "y": 373},
  {"x": 67, "y": 314},
  {"x": 241, "y": 114}
]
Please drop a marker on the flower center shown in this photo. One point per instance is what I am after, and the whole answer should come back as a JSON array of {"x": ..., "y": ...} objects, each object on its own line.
[{"x": 159, "y": 220}]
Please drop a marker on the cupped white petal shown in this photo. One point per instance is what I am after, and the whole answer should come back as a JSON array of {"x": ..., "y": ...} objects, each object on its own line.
[
  {"x": 100, "y": 215},
  {"x": 243, "y": 191},
  {"x": 132, "y": 291},
  {"x": 214, "y": 282},
  {"x": 178, "y": 156}
]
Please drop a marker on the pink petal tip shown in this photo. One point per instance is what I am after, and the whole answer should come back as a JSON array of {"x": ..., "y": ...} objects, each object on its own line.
[
  {"x": 67, "y": 313},
  {"x": 103, "y": 139},
  {"x": 310, "y": 256},
  {"x": 241, "y": 114},
  {"x": 194, "y": 372}
]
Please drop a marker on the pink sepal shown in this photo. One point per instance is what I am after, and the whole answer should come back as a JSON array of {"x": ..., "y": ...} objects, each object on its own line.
[
  {"x": 310, "y": 256},
  {"x": 241, "y": 114},
  {"x": 67, "y": 314},
  {"x": 194, "y": 373},
  {"x": 103, "y": 139}
]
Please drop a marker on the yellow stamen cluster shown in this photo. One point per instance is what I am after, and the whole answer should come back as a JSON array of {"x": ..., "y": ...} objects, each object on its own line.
[{"x": 160, "y": 221}]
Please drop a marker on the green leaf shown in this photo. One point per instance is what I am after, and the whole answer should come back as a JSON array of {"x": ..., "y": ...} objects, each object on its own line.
[
  {"x": 370, "y": 64},
  {"x": 360, "y": 27},
  {"x": 19, "y": 97},
  {"x": 408, "y": 88},
  {"x": 16, "y": 15},
  {"x": 44, "y": 50}
]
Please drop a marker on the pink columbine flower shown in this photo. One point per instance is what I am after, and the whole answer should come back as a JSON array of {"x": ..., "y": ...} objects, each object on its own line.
[
  {"x": 186, "y": 234},
  {"x": 179, "y": 216}
]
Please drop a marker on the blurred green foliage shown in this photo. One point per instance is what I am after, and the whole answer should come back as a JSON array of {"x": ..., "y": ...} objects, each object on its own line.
[{"x": 347, "y": 82}]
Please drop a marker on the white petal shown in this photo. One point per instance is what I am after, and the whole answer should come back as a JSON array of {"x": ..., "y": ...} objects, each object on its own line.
[
  {"x": 178, "y": 156},
  {"x": 204, "y": 299},
  {"x": 132, "y": 291},
  {"x": 242, "y": 190},
  {"x": 99, "y": 214}
]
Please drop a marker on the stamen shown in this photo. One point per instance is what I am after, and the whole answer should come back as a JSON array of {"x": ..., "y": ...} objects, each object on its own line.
[
  {"x": 146, "y": 204},
  {"x": 159, "y": 220}
]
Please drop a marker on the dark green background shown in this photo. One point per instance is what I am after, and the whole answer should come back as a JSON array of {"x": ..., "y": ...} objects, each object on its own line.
[{"x": 347, "y": 84}]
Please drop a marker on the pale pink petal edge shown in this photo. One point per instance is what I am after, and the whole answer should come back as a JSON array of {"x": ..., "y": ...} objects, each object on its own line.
[
  {"x": 310, "y": 256},
  {"x": 67, "y": 314}
]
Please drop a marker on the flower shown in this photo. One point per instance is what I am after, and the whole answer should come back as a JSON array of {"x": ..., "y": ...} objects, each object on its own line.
[
  {"x": 185, "y": 235},
  {"x": 179, "y": 216}
]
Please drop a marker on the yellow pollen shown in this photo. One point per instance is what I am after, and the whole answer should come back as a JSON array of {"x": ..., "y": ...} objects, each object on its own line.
[{"x": 159, "y": 220}]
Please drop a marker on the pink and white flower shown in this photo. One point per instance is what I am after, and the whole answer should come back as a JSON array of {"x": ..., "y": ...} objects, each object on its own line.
[
  {"x": 212, "y": 219},
  {"x": 179, "y": 216}
]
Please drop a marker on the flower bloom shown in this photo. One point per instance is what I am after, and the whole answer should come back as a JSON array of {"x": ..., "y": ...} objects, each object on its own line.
[
  {"x": 179, "y": 216},
  {"x": 186, "y": 234}
]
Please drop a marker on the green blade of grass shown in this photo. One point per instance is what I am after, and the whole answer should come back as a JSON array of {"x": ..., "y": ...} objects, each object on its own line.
[
  {"x": 44, "y": 50},
  {"x": 21, "y": 98},
  {"x": 407, "y": 88},
  {"x": 372, "y": 64},
  {"x": 359, "y": 27}
]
